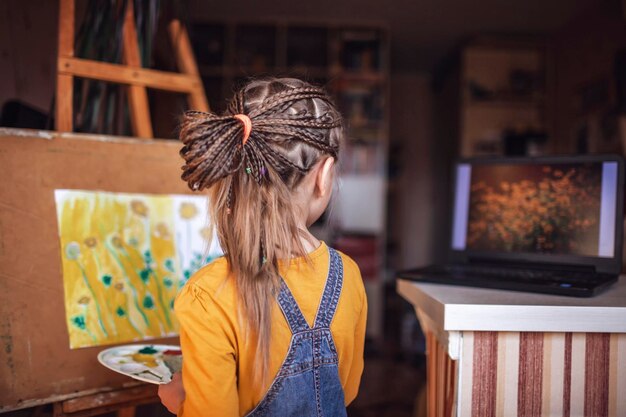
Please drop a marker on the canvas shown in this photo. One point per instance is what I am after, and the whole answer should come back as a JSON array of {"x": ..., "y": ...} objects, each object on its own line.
[{"x": 124, "y": 258}]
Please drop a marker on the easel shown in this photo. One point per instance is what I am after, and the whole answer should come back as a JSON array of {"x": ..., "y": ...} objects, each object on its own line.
[
  {"x": 125, "y": 400},
  {"x": 132, "y": 74}
]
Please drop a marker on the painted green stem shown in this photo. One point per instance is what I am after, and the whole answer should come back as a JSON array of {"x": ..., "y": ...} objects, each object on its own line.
[
  {"x": 159, "y": 290},
  {"x": 156, "y": 278},
  {"x": 132, "y": 287},
  {"x": 130, "y": 321},
  {"x": 106, "y": 299},
  {"x": 93, "y": 295},
  {"x": 164, "y": 306},
  {"x": 93, "y": 337}
]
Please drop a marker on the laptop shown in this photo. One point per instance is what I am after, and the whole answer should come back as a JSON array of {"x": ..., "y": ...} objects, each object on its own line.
[{"x": 551, "y": 225}]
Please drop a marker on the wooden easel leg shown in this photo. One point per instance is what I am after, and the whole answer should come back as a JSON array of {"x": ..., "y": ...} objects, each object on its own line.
[
  {"x": 137, "y": 94},
  {"x": 65, "y": 83},
  {"x": 126, "y": 412},
  {"x": 187, "y": 64},
  {"x": 64, "y": 98}
]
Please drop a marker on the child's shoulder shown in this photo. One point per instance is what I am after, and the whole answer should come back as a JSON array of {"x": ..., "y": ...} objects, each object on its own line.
[
  {"x": 351, "y": 272},
  {"x": 212, "y": 279},
  {"x": 208, "y": 296},
  {"x": 348, "y": 263}
]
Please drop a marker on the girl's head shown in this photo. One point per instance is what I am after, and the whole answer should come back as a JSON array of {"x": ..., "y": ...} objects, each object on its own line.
[{"x": 268, "y": 164}]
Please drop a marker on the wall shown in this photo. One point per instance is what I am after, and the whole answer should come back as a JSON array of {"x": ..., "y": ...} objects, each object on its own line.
[
  {"x": 411, "y": 193},
  {"x": 583, "y": 54},
  {"x": 583, "y": 57},
  {"x": 28, "y": 34}
]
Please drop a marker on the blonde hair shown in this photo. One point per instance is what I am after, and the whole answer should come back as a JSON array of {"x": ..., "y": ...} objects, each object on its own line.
[{"x": 251, "y": 183}]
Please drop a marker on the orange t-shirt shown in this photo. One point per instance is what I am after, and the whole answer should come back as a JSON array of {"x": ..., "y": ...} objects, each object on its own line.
[{"x": 217, "y": 365}]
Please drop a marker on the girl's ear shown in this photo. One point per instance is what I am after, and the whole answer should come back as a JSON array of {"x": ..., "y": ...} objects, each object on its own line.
[{"x": 324, "y": 177}]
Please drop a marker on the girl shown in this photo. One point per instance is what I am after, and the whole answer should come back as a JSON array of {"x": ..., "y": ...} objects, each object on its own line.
[{"x": 275, "y": 327}]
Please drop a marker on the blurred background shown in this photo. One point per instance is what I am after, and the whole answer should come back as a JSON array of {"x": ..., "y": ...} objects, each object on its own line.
[{"x": 420, "y": 83}]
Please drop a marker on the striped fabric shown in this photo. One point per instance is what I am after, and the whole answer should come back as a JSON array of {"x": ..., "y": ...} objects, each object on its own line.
[{"x": 527, "y": 374}]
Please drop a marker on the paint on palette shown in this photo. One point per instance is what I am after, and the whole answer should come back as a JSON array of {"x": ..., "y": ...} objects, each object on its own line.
[{"x": 125, "y": 256}]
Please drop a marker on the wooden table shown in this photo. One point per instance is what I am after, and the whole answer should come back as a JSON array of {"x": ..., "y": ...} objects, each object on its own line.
[{"x": 504, "y": 353}]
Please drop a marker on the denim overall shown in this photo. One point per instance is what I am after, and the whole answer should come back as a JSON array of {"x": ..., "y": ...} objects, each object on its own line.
[{"x": 307, "y": 384}]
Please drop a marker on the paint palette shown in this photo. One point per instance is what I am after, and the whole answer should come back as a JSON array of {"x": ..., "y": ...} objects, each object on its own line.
[{"x": 141, "y": 362}]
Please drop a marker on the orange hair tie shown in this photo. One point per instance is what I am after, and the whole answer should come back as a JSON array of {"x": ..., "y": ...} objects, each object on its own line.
[{"x": 247, "y": 126}]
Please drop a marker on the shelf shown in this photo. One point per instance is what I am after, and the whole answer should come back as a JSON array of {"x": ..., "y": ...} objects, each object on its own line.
[
  {"x": 307, "y": 72},
  {"x": 505, "y": 103},
  {"x": 498, "y": 87},
  {"x": 255, "y": 46},
  {"x": 208, "y": 41},
  {"x": 307, "y": 46},
  {"x": 316, "y": 76},
  {"x": 368, "y": 129},
  {"x": 211, "y": 70},
  {"x": 367, "y": 135},
  {"x": 373, "y": 77}
]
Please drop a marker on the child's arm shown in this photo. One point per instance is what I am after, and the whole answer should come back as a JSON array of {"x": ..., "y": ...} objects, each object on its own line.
[
  {"x": 356, "y": 370},
  {"x": 209, "y": 358},
  {"x": 172, "y": 394}
]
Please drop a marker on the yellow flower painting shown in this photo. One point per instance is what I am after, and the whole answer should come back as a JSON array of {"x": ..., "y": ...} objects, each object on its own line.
[{"x": 124, "y": 258}]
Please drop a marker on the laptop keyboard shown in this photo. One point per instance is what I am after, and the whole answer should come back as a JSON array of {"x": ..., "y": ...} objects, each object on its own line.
[
  {"x": 548, "y": 281},
  {"x": 516, "y": 274}
]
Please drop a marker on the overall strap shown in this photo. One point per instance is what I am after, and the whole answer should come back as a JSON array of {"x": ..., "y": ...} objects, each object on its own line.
[
  {"x": 332, "y": 291},
  {"x": 290, "y": 309}
]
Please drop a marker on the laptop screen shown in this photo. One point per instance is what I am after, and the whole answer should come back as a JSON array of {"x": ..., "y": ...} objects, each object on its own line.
[{"x": 555, "y": 207}]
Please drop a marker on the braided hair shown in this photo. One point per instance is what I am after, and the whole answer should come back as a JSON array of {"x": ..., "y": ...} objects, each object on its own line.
[
  {"x": 251, "y": 174},
  {"x": 214, "y": 147}
]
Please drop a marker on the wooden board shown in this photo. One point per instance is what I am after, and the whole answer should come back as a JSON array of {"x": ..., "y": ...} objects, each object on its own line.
[{"x": 36, "y": 364}]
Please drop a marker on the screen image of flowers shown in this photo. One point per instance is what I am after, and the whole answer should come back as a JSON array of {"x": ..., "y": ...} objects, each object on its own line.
[
  {"x": 535, "y": 208},
  {"x": 124, "y": 258}
]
